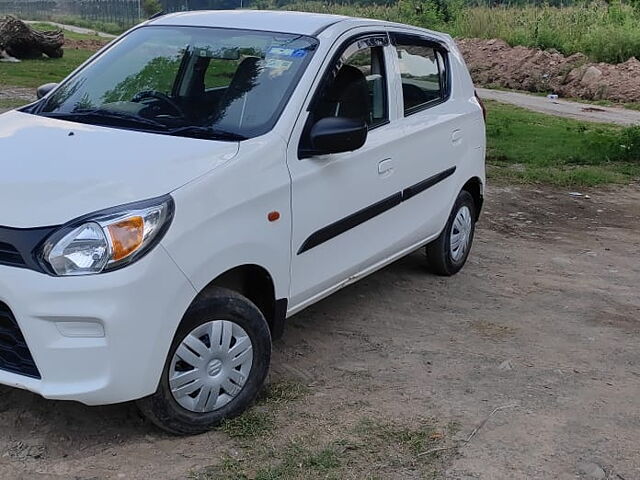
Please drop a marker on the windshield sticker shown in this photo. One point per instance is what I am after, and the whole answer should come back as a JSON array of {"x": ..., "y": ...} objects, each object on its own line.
[
  {"x": 277, "y": 64},
  {"x": 287, "y": 52}
]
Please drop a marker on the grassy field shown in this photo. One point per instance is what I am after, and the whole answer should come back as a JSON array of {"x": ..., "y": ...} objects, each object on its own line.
[
  {"x": 607, "y": 32},
  {"x": 32, "y": 73},
  {"x": 529, "y": 147}
]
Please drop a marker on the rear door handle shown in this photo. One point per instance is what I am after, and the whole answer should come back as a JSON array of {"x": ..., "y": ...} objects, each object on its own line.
[{"x": 385, "y": 167}]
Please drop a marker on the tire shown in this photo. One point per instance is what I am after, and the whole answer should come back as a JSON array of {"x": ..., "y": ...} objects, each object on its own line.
[
  {"x": 231, "y": 318},
  {"x": 444, "y": 259}
]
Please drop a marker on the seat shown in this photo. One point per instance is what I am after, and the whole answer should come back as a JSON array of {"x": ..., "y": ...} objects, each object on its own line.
[{"x": 348, "y": 96}]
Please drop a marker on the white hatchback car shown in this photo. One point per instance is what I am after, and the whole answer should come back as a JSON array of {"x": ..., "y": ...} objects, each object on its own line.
[{"x": 207, "y": 175}]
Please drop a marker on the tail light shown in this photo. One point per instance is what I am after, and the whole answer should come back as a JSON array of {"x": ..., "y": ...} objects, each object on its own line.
[{"x": 484, "y": 110}]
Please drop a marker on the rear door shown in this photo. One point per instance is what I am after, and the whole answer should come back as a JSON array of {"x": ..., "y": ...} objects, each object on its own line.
[{"x": 432, "y": 138}]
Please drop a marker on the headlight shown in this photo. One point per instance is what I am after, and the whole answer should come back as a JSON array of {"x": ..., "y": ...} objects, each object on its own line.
[{"x": 107, "y": 240}]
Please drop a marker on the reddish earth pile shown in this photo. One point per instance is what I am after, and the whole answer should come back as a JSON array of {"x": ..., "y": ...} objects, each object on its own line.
[
  {"x": 495, "y": 63},
  {"x": 85, "y": 44}
]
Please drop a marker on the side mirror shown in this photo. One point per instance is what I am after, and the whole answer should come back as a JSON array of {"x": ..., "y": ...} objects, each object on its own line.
[
  {"x": 338, "y": 134},
  {"x": 42, "y": 90}
]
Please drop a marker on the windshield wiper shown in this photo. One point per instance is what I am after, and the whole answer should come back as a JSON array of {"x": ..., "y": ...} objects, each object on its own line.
[
  {"x": 194, "y": 131},
  {"x": 107, "y": 114},
  {"x": 209, "y": 133}
]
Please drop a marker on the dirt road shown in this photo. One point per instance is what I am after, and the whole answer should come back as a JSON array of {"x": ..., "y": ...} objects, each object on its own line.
[
  {"x": 73, "y": 28},
  {"x": 564, "y": 108},
  {"x": 544, "y": 320}
]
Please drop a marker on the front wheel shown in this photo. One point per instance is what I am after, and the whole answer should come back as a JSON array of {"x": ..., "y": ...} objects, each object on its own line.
[
  {"x": 448, "y": 253},
  {"x": 216, "y": 366}
]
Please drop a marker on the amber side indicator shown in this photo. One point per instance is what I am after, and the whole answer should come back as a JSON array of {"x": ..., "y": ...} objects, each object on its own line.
[
  {"x": 126, "y": 236},
  {"x": 273, "y": 216}
]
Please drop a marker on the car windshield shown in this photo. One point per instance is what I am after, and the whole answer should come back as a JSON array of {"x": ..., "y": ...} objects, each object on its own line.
[{"x": 188, "y": 81}]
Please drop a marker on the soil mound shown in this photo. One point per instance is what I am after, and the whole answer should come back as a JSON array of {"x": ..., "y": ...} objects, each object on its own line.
[{"x": 494, "y": 63}]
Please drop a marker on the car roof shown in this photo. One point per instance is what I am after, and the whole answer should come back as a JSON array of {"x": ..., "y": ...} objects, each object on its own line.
[{"x": 302, "y": 23}]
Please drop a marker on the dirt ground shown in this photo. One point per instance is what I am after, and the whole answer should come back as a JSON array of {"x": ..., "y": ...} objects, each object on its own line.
[{"x": 544, "y": 321}]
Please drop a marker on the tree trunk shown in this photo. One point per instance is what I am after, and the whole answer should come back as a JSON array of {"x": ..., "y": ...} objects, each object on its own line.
[{"x": 21, "y": 41}]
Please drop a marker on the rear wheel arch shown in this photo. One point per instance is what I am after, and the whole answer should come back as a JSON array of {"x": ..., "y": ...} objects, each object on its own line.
[{"x": 476, "y": 188}]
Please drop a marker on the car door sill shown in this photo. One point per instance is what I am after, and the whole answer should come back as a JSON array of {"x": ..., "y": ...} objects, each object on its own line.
[{"x": 358, "y": 276}]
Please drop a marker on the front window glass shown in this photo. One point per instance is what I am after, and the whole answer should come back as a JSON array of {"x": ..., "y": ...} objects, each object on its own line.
[
  {"x": 190, "y": 81},
  {"x": 359, "y": 89}
]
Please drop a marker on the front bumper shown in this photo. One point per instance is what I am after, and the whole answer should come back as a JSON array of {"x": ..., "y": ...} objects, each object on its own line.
[{"x": 97, "y": 339}]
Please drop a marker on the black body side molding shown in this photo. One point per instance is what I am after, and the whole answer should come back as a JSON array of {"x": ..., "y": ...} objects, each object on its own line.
[
  {"x": 347, "y": 223},
  {"x": 358, "y": 218},
  {"x": 420, "y": 187}
]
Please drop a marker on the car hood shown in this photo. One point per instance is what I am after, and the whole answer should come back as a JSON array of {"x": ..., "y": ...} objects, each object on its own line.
[{"x": 52, "y": 171}]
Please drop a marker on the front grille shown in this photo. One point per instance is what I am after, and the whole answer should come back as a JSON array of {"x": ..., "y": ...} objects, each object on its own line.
[
  {"x": 9, "y": 255},
  {"x": 14, "y": 354}
]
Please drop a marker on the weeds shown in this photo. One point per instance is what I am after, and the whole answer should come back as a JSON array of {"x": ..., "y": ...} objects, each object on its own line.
[
  {"x": 605, "y": 32},
  {"x": 372, "y": 447},
  {"x": 260, "y": 420},
  {"x": 9, "y": 103},
  {"x": 251, "y": 424}
]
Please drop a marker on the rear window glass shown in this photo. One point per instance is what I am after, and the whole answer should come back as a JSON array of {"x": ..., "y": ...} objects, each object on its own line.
[{"x": 423, "y": 74}]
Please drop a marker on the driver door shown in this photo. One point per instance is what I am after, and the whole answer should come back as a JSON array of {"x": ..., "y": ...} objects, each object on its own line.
[{"x": 343, "y": 204}]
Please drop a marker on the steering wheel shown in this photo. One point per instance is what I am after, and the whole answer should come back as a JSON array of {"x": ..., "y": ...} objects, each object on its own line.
[{"x": 138, "y": 97}]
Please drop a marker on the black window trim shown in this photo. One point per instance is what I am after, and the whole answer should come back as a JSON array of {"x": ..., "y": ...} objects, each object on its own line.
[
  {"x": 330, "y": 73},
  {"x": 422, "y": 40}
]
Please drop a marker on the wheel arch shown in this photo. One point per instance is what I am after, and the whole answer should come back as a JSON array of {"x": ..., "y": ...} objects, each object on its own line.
[
  {"x": 255, "y": 283},
  {"x": 476, "y": 188}
]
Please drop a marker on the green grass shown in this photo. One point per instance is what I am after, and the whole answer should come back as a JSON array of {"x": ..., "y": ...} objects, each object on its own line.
[
  {"x": 32, "y": 73},
  {"x": 529, "y": 147},
  {"x": 607, "y": 32},
  {"x": 260, "y": 421},
  {"x": 8, "y": 103},
  {"x": 250, "y": 425}
]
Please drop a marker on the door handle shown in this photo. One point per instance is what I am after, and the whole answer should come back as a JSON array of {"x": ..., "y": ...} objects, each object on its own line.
[
  {"x": 456, "y": 137},
  {"x": 385, "y": 167}
]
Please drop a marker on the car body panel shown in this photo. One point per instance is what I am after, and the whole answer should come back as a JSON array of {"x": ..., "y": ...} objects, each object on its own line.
[
  {"x": 221, "y": 219},
  {"x": 127, "y": 318},
  {"x": 73, "y": 169}
]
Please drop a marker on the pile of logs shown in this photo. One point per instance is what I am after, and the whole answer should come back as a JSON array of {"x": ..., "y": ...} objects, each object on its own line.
[{"x": 19, "y": 40}]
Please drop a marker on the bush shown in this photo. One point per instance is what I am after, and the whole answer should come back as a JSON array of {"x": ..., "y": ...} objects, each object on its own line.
[
  {"x": 151, "y": 7},
  {"x": 604, "y": 32},
  {"x": 629, "y": 145}
]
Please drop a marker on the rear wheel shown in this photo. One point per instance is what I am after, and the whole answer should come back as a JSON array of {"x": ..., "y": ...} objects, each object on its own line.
[
  {"x": 448, "y": 253},
  {"x": 216, "y": 366}
]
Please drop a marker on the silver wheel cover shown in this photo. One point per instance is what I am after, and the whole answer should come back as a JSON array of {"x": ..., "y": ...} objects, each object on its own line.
[
  {"x": 210, "y": 366},
  {"x": 461, "y": 233}
]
